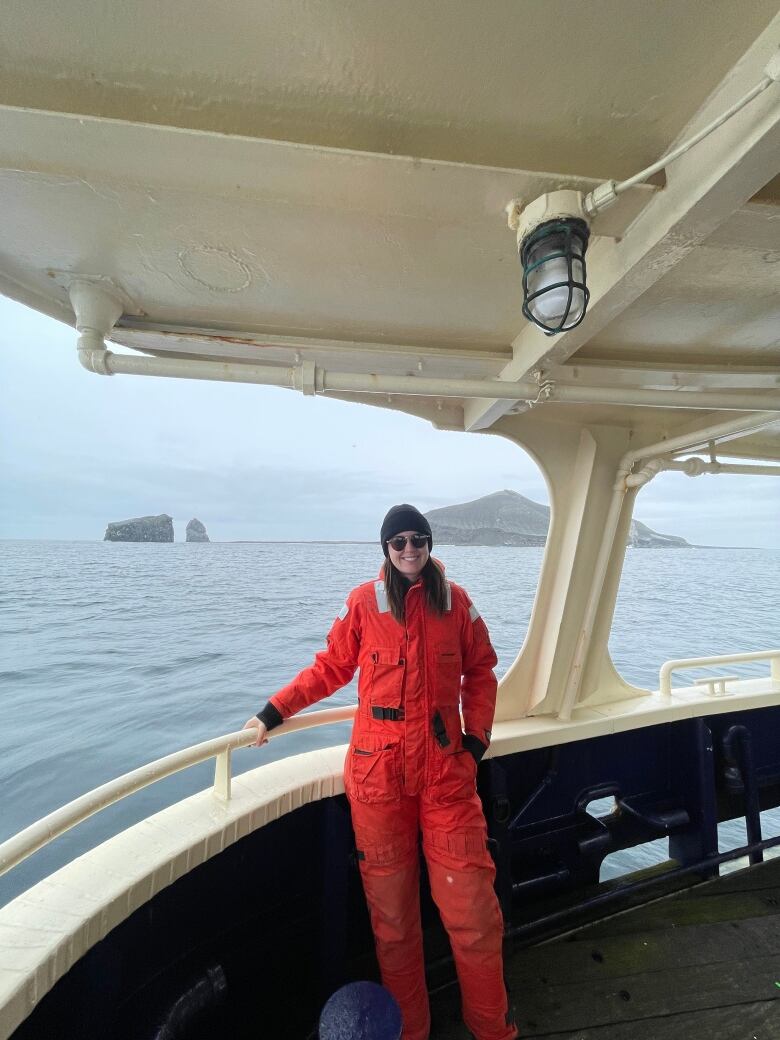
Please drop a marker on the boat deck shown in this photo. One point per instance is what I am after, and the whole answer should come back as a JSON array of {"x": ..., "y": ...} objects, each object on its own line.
[{"x": 704, "y": 963}]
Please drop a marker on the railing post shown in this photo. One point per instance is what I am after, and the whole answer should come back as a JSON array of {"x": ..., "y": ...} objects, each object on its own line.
[
  {"x": 222, "y": 776},
  {"x": 775, "y": 668}
]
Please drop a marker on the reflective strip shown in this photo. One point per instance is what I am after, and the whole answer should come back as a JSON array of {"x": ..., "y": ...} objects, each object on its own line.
[
  {"x": 343, "y": 612},
  {"x": 448, "y": 596},
  {"x": 473, "y": 612},
  {"x": 381, "y": 597}
]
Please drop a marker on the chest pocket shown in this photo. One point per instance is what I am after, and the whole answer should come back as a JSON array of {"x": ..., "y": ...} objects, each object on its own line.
[
  {"x": 448, "y": 675},
  {"x": 383, "y": 672}
]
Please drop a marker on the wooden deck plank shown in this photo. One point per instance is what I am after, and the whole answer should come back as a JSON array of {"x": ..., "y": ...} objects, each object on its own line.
[
  {"x": 680, "y": 910},
  {"x": 760, "y": 1021},
  {"x": 586, "y": 959},
  {"x": 749, "y": 879},
  {"x": 569, "y": 1004},
  {"x": 703, "y": 964}
]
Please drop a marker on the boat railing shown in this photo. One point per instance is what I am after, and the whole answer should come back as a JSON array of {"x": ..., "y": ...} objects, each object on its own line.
[
  {"x": 43, "y": 831},
  {"x": 717, "y": 684}
]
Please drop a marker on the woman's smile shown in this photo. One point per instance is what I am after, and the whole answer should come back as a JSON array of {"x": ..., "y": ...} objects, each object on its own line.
[{"x": 409, "y": 561}]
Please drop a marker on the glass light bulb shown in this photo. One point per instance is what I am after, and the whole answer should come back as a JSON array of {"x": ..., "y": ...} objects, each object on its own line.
[
  {"x": 550, "y": 307},
  {"x": 553, "y": 260}
]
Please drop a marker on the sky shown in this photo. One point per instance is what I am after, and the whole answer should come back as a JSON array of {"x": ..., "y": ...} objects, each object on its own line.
[{"x": 79, "y": 450}]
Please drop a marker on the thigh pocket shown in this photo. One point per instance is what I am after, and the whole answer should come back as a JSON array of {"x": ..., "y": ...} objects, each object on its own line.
[
  {"x": 456, "y": 777},
  {"x": 373, "y": 771}
]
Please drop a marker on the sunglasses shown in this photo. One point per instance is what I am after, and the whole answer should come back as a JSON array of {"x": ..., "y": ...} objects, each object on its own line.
[{"x": 400, "y": 540}]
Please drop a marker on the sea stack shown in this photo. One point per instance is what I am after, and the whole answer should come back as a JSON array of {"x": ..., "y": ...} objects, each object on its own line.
[
  {"x": 141, "y": 529},
  {"x": 196, "y": 532}
]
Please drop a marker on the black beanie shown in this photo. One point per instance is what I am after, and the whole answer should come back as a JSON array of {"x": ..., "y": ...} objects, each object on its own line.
[{"x": 403, "y": 518}]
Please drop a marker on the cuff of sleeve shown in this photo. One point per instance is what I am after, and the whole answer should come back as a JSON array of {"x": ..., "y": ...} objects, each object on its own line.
[
  {"x": 270, "y": 716},
  {"x": 474, "y": 745}
]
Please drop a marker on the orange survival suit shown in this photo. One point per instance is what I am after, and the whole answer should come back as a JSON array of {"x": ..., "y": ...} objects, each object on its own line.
[{"x": 407, "y": 770}]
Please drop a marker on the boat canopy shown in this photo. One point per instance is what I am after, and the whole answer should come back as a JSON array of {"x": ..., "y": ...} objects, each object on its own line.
[{"x": 316, "y": 194}]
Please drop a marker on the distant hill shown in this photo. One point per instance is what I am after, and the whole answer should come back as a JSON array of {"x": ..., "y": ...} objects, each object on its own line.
[
  {"x": 503, "y": 518},
  {"x": 508, "y": 518},
  {"x": 643, "y": 537}
]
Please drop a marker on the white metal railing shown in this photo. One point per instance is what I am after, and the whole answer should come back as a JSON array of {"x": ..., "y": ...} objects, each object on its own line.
[
  {"x": 40, "y": 833},
  {"x": 773, "y": 656}
]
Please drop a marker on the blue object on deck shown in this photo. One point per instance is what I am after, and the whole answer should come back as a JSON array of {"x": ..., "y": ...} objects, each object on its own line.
[{"x": 360, "y": 1011}]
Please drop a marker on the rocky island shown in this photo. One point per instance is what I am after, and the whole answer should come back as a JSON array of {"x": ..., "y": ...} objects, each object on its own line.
[
  {"x": 141, "y": 529},
  {"x": 503, "y": 518},
  {"x": 509, "y": 518},
  {"x": 640, "y": 536},
  {"x": 196, "y": 532}
]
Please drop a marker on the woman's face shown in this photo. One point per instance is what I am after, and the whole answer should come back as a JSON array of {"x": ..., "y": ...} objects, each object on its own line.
[{"x": 408, "y": 560}]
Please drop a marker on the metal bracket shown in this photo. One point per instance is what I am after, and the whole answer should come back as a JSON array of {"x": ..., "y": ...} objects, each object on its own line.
[
  {"x": 717, "y": 685},
  {"x": 305, "y": 378},
  {"x": 546, "y": 388},
  {"x": 66, "y": 279}
]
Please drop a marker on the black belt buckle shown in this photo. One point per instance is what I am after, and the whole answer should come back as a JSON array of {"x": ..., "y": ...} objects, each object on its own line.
[{"x": 387, "y": 714}]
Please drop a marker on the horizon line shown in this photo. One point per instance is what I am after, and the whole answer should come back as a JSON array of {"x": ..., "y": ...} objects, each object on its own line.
[{"x": 361, "y": 541}]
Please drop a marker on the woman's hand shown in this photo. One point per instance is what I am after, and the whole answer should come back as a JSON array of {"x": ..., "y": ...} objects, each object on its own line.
[{"x": 262, "y": 732}]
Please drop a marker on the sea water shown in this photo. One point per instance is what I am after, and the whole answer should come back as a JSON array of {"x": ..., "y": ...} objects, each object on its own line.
[{"x": 115, "y": 654}]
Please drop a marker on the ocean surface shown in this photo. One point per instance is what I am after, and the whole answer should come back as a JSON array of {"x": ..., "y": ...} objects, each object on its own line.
[{"x": 114, "y": 654}]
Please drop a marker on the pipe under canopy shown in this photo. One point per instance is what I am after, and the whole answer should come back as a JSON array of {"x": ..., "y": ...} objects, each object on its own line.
[{"x": 308, "y": 378}]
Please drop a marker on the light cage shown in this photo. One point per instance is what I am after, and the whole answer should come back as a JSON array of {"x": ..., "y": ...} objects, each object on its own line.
[{"x": 555, "y": 294}]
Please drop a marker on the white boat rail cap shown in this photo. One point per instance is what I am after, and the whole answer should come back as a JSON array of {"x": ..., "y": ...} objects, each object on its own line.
[
  {"x": 38, "y": 834},
  {"x": 665, "y": 678}
]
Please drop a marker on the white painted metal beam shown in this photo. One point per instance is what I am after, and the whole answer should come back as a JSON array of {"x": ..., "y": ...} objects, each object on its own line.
[
  {"x": 665, "y": 375},
  {"x": 704, "y": 187},
  {"x": 716, "y": 432}
]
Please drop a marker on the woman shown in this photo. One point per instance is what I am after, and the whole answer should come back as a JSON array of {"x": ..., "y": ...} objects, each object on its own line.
[{"x": 423, "y": 651}]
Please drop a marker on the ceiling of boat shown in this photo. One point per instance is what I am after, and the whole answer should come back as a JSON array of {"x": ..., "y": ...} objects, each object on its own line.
[
  {"x": 326, "y": 181},
  {"x": 596, "y": 89}
]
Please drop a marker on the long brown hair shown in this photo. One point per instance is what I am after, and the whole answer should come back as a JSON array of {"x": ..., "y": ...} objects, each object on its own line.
[{"x": 433, "y": 580}]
